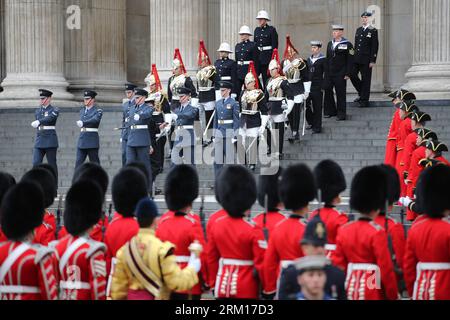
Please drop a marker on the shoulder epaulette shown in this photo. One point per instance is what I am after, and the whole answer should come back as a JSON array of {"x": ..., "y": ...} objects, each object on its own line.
[
  {"x": 41, "y": 253},
  {"x": 95, "y": 246}
]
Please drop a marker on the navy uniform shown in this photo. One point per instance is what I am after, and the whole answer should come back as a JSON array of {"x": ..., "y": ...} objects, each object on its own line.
[
  {"x": 317, "y": 69},
  {"x": 266, "y": 39},
  {"x": 46, "y": 139},
  {"x": 340, "y": 65},
  {"x": 315, "y": 235},
  {"x": 226, "y": 71},
  {"x": 89, "y": 141},
  {"x": 366, "y": 52},
  {"x": 245, "y": 52},
  {"x": 226, "y": 125},
  {"x": 127, "y": 105},
  {"x": 138, "y": 147},
  {"x": 184, "y": 117}
]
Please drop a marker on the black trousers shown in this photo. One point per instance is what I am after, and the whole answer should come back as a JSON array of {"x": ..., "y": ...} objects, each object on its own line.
[
  {"x": 50, "y": 153},
  {"x": 157, "y": 157},
  {"x": 294, "y": 117},
  {"x": 315, "y": 110},
  {"x": 209, "y": 132},
  {"x": 362, "y": 85},
  {"x": 263, "y": 72},
  {"x": 338, "y": 107},
  {"x": 280, "y": 128},
  {"x": 82, "y": 154}
]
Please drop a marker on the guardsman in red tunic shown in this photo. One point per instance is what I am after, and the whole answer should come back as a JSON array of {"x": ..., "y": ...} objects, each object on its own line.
[
  {"x": 297, "y": 190},
  {"x": 427, "y": 256},
  {"x": 7, "y": 181},
  {"x": 181, "y": 190},
  {"x": 403, "y": 131},
  {"x": 269, "y": 199},
  {"x": 92, "y": 171},
  {"x": 391, "y": 143},
  {"x": 362, "y": 246},
  {"x": 331, "y": 183},
  {"x": 236, "y": 245},
  {"x": 128, "y": 188},
  {"x": 26, "y": 270},
  {"x": 45, "y": 233},
  {"x": 81, "y": 260}
]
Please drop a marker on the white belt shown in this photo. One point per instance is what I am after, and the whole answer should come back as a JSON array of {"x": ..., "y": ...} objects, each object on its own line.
[
  {"x": 185, "y": 127},
  {"x": 203, "y": 89},
  {"x": 275, "y": 99},
  {"x": 46, "y": 128},
  {"x": 176, "y": 98},
  {"x": 225, "y": 121},
  {"x": 19, "y": 289},
  {"x": 181, "y": 259},
  {"x": 293, "y": 80},
  {"x": 286, "y": 263},
  {"x": 236, "y": 262},
  {"x": 250, "y": 113},
  {"x": 242, "y": 63},
  {"x": 363, "y": 266},
  {"x": 330, "y": 247},
  {"x": 140, "y": 127},
  {"x": 225, "y": 78},
  {"x": 433, "y": 266},
  {"x": 74, "y": 285},
  {"x": 89, "y": 129},
  {"x": 156, "y": 113},
  {"x": 265, "y": 48}
]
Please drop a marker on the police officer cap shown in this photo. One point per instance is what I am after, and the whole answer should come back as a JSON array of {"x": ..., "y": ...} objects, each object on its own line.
[
  {"x": 45, "y": 93},
  {"x": 338, "y": 27},
  {"x": 366, "y": 14},
  {"x": 310, "y": 263},
  {"x": 141, "y": 93},
  {"x": 316, "y": 43},
  {"x": 90, "y": 94},
  {"x": 226, "y": 85},
  {"x": 130, "y": 87},
  {"x": 183, "y": 91},
  {"x": 315, "y": 233}
]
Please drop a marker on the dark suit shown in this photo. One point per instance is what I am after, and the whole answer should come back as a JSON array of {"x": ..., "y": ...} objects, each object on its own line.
[
  {"x": 366, "y": 52},
  {"x": 265, "y": 37},
  {"x": 340, "y": 65},
  {"x": 245, "y": 52},
  {"x": 317, "y": 70},
  {"x": 89, "y": 141},
  {"x": 227, "y": 71}
]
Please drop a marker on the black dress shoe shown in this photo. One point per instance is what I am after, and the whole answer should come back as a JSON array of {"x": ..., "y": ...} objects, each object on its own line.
[
  {"x": 317, "y": 131},
  {"x": 357, "y": 99},
  {"x": 330, "y": 116},
  {"x": 341, "y": 118},
  {"x": 281, "y": 156},
  {"x": 363, "y": 104},
  {"x": 252, "y": 167},
  {"x": 158, "y": 192},
  {"x": 309, "y": 127}
]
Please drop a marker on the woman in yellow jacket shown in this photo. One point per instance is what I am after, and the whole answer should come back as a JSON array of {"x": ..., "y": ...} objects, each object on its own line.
[{"x": 146, "y": 268}]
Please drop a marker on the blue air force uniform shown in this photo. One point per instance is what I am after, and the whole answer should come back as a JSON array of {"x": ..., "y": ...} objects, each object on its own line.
[
  {"x": 126, "y": 109},
  {"x": 226, "y": 126},
  {"x": 46, "y": 139},
  {"x": 89, "y": 141},
  {"x": 139, "y": 142}
]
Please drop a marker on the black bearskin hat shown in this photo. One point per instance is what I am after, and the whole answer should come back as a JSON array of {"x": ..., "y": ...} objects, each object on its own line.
[
  {"x": 142, "y": 168},
  {"x": 6, "y": 182},
  {"x": 94, "y": 172},
  {"x": 368, "y": 191},
  {"x": 45, "y": 179},
  {"x": 128, "y": 188},
  {"x": 393, "y": 184},
  {"x": 433, "y": 191},
  {"x": 268, "y": 187},
  {"x": 297, "y": 187},
  {"x": 181, "y": 187},
  {"x": 330, "y": 180}
]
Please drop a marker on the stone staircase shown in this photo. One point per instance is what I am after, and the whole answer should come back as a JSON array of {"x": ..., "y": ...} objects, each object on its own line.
[{"x": 354, "y": 144}]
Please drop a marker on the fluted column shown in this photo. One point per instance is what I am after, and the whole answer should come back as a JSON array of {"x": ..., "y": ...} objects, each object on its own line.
[
  {"x": 34, "y": 58},
  {"x": 95, "y": 54},
  {"x": 2, "y": 41},
  {"x": 177, "y": 24},
  {"x": 429, "y": 75},
  {"x": 235, "y": 13}
]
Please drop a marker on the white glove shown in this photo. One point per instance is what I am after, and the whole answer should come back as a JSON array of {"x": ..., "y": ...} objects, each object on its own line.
[
  {"x": 299, "y": 98},
  {"x": 194, "y": 102},
  {"x": 195, "y": 262},
  {"x": 234, "y": 140},
  {"x": 234, "y": 95},
  {"x": 290, "y": 106},
  {"x": 264, "y": 121},
  {"x": 407, "y": 201},
  {"x": 35, "y": 124},
  {"x": 136, "y": 117},
  {"x": 307, "y": 86},
  {"x": 80, "y": 124},
  {"x": 306, "y": 95}
]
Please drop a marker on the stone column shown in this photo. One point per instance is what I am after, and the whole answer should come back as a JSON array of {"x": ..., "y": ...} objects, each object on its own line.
[
  {"x": 429, "y": 75},
  {"x": 235, "y": 13},
  {"x": 2, "y": 42},
  {"x": 177, "y": 24},
  {"x": 34, "y": 55},
  {"x": 95, "y": 54}
]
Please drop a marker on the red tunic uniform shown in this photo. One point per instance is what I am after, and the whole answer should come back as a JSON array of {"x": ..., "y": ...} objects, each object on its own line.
[
  {"x": 333, "y": 220},
  {"x": 391, "y": 143},
  {"x": 3, "y": 238},
  {"x": 172, "y": 213},
  {"x": 409, "y": 147},
  {"x": 182, "y": 231},
  {"x": 27, "y": 272},
  {"x": 427, "y": 260},
  {"x": 235, "y": 249},
  {"x": 272, "y": 219},
  {"x": 212, "y": 219},
  {"x": 46, "y": 232},
  {"x": 414, "y": 170},
  {"x": 362, "y": 250},
  {"x": 284, "y": 248},
  {"x": 82, "y": 268},
  {"x": 403, "y": 132},
  {"x": 397, "y": 233},
  {"x": 96, "y": 234}
]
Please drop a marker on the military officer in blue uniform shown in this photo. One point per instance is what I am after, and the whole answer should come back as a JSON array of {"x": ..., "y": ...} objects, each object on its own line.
[
  {"x": 340, "y": 54},
  {"x": 46, "y": 139},
  {"x": 184, "y": 117},
  {"x": 89, "y": 141},
  {"x": 226, "y": 69},
  {"x": 226, "y": 127},
  {"x": 127, "y": 106},
  {"x": 366, "y": 52},
  {"x": 266, "y": 39},
  {"x": 138, "y": 147},
  {"x": 245, "y": 52}
]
